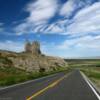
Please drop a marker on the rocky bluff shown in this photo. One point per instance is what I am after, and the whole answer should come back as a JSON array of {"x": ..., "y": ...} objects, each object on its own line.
[{"x": 31, "y": 60}]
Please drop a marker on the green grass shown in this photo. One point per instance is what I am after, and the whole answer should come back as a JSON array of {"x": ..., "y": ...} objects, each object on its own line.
[
  {"x": 11, "y": 75},
  {"x": 91, "y": 68},
  {"x": 92, "y": 72}
]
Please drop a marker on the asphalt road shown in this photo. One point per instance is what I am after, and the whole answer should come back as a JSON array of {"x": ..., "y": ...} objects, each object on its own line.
[{"x": 60, "y": 86}]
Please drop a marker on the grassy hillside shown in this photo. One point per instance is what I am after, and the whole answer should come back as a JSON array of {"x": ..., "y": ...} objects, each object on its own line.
[
  {"x": 94, "y": 74},
  {"x": 10, "y": 75}
]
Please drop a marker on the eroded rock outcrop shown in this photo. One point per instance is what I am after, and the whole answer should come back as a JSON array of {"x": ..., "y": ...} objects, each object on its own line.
[
  {"x": 31, "y": 60},
  {"x": 33, "y": 48}
]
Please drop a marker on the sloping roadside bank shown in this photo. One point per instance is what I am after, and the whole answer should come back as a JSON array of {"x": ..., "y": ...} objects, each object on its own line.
[
  {"x": 93, "y": 75},
  {"x": 9, "y": 77}
]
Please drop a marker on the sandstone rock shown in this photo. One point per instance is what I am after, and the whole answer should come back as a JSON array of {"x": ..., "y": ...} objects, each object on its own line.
[
  {"x": 32, "y": 60},
  {"x": 33, "y": 48}
]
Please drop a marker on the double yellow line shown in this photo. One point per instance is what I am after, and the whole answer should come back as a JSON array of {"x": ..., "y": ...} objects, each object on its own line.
[{"x": 46, "y": 88}]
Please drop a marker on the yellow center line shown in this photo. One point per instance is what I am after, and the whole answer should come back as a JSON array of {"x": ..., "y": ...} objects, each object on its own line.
[{"x": 46, "y": 88}]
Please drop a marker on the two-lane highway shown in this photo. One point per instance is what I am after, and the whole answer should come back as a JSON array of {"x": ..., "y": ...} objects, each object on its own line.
[{"x": 60, "y": 86}]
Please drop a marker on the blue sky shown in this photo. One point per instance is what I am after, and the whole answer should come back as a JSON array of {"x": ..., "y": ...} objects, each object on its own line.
[{"x": 65, "y": 28}]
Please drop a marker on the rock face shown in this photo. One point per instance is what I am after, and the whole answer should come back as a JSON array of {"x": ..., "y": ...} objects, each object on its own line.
[
  {"x": 33, "y": 48},
  {"x": 31, "y": 59}
]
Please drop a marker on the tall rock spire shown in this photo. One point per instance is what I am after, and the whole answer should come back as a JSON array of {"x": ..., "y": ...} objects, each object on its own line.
[
  {"x": 36, "y": 47},
  {"x": 28, "y": 46},
  {"x": 33, "y": 48}
]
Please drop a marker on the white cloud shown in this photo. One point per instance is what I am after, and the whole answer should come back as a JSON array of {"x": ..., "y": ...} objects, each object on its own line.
[
  {"x": 86, "y": 20},
  {"x": 11, "y": 46},
  {"x": 54, "y": 28},
  {"x": 85, "y": 42},
  {"x": 67, "y": 8},
  {"x": 41, "y": 10},
  {"x": 89, "y": 10},
  {"x": 74, "y": 47}
]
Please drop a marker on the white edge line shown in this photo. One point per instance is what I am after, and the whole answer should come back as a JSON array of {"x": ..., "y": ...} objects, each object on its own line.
[
  {"x": 11, "y": 86},
  {"x": 85, "y": 78}
]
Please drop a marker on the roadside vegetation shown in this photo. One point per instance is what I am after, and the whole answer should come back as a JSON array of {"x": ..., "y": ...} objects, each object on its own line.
[
  {"x": 90, "y": 67},
  {"x": 11, "y": 75},
  {"x": 94, "y": 74}
]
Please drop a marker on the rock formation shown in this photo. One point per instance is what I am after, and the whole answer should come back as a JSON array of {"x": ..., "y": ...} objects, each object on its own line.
[
  {"x": 31, "y": 60},
  {"x": 33, "y": 48},
  {"x": 28, "y": 48}
]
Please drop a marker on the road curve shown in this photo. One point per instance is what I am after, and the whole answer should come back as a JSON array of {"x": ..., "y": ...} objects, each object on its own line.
[{"x": 60, "y": 86}]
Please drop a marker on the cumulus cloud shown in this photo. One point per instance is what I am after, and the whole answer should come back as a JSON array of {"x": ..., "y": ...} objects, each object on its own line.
[{"x": 40, "y": 12}]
